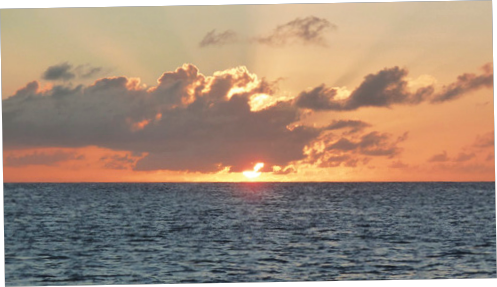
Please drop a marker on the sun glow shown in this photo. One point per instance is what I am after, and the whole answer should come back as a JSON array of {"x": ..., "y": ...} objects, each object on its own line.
[
  {"x": 251, "y": 174},
  {"x": 261, "y": 101}
]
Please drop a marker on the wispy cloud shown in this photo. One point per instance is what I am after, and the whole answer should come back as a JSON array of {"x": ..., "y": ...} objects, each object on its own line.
[
  {"x": 41, "y": 158},
  {"x": 479, "y": 148},
  {"x": 398, "y": 164},
  {"x": 353, "y": 125},
  {"x": 119, "y": 161},
  {"x": 441, "y": 157},
  {"x": 464, "y": 157},
  {"x": 305, "y": 31},
  {"x": 219, "y": 39},
  {"x": 308, "y": 31},
  {"x": 465, "y": 83},
  {"x": 485, "y": 141},
  {"x": 66, "y": 71}
]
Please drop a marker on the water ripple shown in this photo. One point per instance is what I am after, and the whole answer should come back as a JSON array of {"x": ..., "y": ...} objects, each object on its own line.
[{"x": 69, "y": 234}]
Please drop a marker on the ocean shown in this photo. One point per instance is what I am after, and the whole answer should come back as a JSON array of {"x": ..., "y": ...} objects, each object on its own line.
[{"x": 160, "y": 233}]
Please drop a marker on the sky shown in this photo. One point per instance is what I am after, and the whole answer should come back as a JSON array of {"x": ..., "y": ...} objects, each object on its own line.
[{"x": 316, "y": 92}]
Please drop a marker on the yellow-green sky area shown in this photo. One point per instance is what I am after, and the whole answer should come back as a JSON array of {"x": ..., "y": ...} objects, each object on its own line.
[{"x": 317, "y": 92}]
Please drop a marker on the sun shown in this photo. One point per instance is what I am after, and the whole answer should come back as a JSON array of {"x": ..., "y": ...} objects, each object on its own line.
[{"x": 251, "y": 174}]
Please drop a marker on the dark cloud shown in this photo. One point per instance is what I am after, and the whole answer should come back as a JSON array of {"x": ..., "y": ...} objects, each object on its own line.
[
  {"x": 192, "y": 122},
  {"x": 66, "y": 71},
  {"x": 308, "y": 31},
  {"x": 466, "y": 83},
  {"x": 377, "y": 144},
  {"x": 229, "y": 135},
  {"x": 59, "y": 72},
  {"x": 343, "y": 145},
  {"x": 442, "y": 157},
  {"x": 337, "y": 160},
  {"x": 353, "y": 125},
  {"x": 41, "y": 158},
  {"x": 349, "y": 152},
  {"x": 219, "y": 39},
  {"x": 30, "y": 89},
  {"x": 187, "y": 122},
  {"x": 382, "y": 89},
  {"x": 373, "y": 144},
  {"x": 319, "y": 99},
  {"x": 390, "y": 87}
]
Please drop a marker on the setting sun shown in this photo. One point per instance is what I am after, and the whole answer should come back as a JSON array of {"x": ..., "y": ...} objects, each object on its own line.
[
  {"x": 221, "y": 102},
  {"x": 251, "y": 174}
]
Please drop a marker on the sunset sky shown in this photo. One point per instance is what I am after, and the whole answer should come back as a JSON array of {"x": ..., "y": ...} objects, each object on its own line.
[{"x": 315, "y": 92}]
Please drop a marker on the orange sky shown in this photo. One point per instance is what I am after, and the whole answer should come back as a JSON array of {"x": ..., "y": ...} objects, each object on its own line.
[{"x": 315, "y": 92}]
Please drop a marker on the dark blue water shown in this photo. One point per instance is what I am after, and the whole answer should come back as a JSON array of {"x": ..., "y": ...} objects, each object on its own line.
[{"x": 70, "y": 234}]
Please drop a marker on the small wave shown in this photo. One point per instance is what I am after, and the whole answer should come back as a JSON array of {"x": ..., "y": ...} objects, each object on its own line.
[{"x": 274, "y": 260}]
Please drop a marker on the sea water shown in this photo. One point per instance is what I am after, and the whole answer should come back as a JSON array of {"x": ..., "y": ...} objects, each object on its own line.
[{"x": 139, "y": 233}]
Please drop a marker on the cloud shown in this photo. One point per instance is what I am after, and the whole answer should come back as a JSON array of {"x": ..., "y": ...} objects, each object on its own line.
[
  {"x": 354, "y": 125},
  {"x": 187, "y": 122},
  {"x": 383, "y": 89},
  {"x": 318, "y": 99},
  {"x": 377, "y": 144},
  {"x": 87, "y": 71},
  {"x": 66, "y": 71},
  {"x": 476, "y": 158},
  {"x": 403, "y": 137},
  {"x": 197, "y": 123},
  {"x": 398, "y": 164},
  {"x": 439, "y": 157},
  {"x": 465, "y": 171},
  {"x": 464, "y": 157},
  {"x": 219, "y": 39},
  {"x": 119, "y": 162},
  {"x": 59, "y": 72},
  {"x": 41, "y": 158},
  {"x": 466, "y": 83},
  {"x": 389, "y": 87},
  {"x": 307, "y": 31},
  {"x": 30, "y": 89},
  {"x": 484, "y": 141},
  {"x": 347, "y": 151},
  {"x": 343, "y": 145},
  {"x": 337, "y": 160},
  {"x": 480, "y": 146},
  {"x": 284, "y": 171}
]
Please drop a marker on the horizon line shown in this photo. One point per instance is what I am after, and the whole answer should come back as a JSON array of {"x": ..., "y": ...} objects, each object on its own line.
[{"x": 417, "y": 181}]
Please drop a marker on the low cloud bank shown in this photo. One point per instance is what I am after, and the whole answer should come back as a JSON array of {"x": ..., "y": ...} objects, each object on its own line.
[{"x": 197, "y": 123}]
